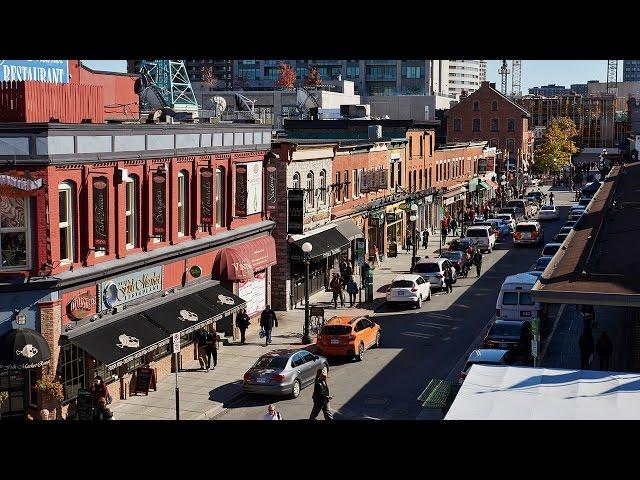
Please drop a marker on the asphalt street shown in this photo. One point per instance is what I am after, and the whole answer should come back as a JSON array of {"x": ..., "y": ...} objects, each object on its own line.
[{"x": 417, "y": 345}]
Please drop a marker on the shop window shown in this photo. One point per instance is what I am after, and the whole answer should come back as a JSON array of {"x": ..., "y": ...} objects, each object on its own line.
[
  {"x": 346, "y": 184},
  {"x": 71, "y": 369},
  {"x": 167, "y": 349},
  {"x": 12, "y": 382},
  {"x": 131, "y": 211},
  {"x": 323, "y": 186},
  {"x": 220, "y": 201},
  {"x": 15, "y": 238},
  {"x": 310, "y": 190},
  {"x": 183, "y": 203}
]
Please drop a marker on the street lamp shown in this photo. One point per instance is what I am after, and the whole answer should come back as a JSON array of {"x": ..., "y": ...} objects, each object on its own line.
[
  {"x": 414, "y": 219},
  {"x": 306, "y": 258}
]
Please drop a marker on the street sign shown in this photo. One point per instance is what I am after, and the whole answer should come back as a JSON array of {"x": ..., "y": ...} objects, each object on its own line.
[
  {"x": 534, "y": 348},
  {"x": 175, "y": 337},
  {"x": 535, "y": 323}
]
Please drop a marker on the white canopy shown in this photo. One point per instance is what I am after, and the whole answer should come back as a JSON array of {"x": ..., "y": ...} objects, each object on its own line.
[{"x": 523, "y": 393}]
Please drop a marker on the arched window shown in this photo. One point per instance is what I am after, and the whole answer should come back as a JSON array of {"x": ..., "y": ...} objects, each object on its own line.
[
  {"x": 66, "y": 209},
  {"x": 323, "y": 186},
  {"x": 310, "y": 189},
  {"x": 220, "y": 191},
  {"x": 131, "y": 211},
  {"x": 296, "y": 180},
  {"x": 183, "y": 203}
]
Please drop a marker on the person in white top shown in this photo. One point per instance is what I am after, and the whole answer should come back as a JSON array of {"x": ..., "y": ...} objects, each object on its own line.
[{"x": 272, "y": 414}]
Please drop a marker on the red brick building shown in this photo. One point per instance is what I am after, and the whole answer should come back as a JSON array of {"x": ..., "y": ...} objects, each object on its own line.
[{"x": 114, "y": 237}]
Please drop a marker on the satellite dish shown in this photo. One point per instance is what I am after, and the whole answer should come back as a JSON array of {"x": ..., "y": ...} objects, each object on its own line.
[{"x": 219, "y": 105}]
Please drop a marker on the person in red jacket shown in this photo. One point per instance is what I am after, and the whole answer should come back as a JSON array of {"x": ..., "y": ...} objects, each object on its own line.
[{"x": 99, "y": 390}]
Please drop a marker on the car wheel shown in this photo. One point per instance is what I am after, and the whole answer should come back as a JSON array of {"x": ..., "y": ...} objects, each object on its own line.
[
  {"x": 419, "y": 302},
  {"x": 489, "y": 251},
  {"x": 295, "y": 391},
  {"x": 360, "y": 355},
  {"x": 377, "y": 344},
  {"x": 429, "y": 297}
]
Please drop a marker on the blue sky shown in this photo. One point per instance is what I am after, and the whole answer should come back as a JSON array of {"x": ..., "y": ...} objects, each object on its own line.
[{"x": 534, "y": 72}]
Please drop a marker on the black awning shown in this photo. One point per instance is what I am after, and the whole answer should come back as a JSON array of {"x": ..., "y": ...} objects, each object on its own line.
[
  {"x": 349, "y": 229},
  {"x": 195, "y": 310},
  {"x": 324, "y": 243},
  {"x": 23, "y": 348},
  {"x": 122, "y": 341}
]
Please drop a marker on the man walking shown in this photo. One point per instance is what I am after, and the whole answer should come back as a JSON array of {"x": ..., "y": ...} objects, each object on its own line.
[
  {"x": 336, "y": 286},
  {"x": 242, "y": 322},
  {"x": 454, "y": 226},
  {"x": 605, "y": 349},
  {"x": 443, "y": 232},
  {"x": 267, "y": 321},
  {"x": 551, "y": 198},
  {"x": 212, "y": 348},
  {"x": 425, "y": 239},
  {"x": 448, "y": 279},
  {"x": 477, "y": 261},
  {"x": 352, "y": 289},
  {"x": 201, "y": 339},
  {"x": 321, "y": 397}
]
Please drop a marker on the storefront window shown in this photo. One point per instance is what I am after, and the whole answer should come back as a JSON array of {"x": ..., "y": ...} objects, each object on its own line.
[
  {"x": 72, "y": 370},
  {"x": 12, "y": 382},
  {"x": 14, "y": 232}
]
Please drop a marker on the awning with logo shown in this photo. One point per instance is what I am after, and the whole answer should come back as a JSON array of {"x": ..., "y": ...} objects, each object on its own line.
[
  {"x": 241, "y": 261},
  {"x": 23, "y": 348},
  {"x": 324, "y": 243}
]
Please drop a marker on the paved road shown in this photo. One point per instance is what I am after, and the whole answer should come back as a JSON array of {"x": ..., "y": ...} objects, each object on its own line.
[{"x": 417, "y": 345}]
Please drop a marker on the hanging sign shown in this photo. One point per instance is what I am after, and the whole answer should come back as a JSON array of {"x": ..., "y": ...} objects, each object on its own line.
[
  {"x": 100, "y": 213},
  {"x": 206, "y": 196},
  {"x": 159, "y": 203},
  {"x": 296, "y": 211},
  {"x": 272, "y": 189},
  {"x": 241, "y": 190}
]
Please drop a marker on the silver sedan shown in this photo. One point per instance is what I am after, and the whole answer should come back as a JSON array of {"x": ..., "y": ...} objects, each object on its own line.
[{"x": 283, "y": 372}]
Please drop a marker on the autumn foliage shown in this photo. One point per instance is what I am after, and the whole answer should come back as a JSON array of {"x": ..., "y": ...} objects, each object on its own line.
[
  {"x": 287, "y": 78},
  {"x": 557, "y": 145},
  {"x": 313, "y": 79}
]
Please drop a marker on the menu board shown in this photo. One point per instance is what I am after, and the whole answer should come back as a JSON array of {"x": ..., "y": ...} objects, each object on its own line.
[
  {"x": 145, "y": 379},
  {"x": 84, "y": 402}
]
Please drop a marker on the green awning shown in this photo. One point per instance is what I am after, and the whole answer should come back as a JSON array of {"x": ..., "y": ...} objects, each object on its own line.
[
  {"x": 439, "y": 394},
  {"x": 484, "y": 185}
]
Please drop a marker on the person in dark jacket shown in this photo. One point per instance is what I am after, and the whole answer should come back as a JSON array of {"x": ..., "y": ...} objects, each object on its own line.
[
  {"x": 443, "y": 232},
  {"x": 267, "y": 321},
  {"x": 337, "y": 287},
  {"x": 211, "y": 349},
  {"x": 448, "y": 279},
  {"x": 477, "y": 261},
  {"x": 454, "y": 225},
  {"x": 586, "y": 349},
  {"x": 352, "y": 289},
  {"x": 99, "y": 390},
  {"x": 604, "y": 348},
  {"x": 425, "y": 238},
  {"x": 348, "y": 273},
  {"x": 321, "y": 397},
  {"x": 242, "y": 322},
  {"x": 102, "y": 412}
]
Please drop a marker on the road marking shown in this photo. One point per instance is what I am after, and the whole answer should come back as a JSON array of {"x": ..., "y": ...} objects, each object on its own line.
[
  {"x": 422, "y": 324},
  {"x": 416, "y": 334}
]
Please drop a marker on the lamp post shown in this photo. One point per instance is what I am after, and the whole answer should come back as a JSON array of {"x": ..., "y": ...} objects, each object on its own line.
[
  {"x": 306, "y": 258},
  {"x": 414, "y": 220}
]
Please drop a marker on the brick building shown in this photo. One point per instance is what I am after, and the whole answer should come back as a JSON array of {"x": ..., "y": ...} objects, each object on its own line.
[{"x": 114, "y": 237}]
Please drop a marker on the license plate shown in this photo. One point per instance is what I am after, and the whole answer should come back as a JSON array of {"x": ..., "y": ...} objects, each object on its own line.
[
  {"x": 335, "y": 341},
  {"x": 400, "y": 293},
  {"x": 525, "y": 314},
  {"x": 526, "y": 235},
  {"x": 261, "y": 380},
  {"x": 503, "y": 345}
]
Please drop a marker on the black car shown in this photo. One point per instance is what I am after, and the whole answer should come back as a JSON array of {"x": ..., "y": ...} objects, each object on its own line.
[
  {"x": 514, "y": 335},
  {"x": 455, "y": 257},
  {"x": 514, "y": 211},
  {"x": 461, "y": 245},
  {"x": 559, "y": 238}
]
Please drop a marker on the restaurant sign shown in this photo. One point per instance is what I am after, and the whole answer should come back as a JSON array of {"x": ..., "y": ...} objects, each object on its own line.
[
  {"x": 82, "y": 306},
  {"x": 272, "y": 189},
  {"x": 128, "y": 287}
]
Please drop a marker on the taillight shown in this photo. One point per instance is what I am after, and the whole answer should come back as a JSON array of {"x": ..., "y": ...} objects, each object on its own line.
[
  {"x": 351, "y": 338},
  {"x": 277, "y": 378},
  {"x": 518, "y": 235},
  {"x": 414, "y": 289},
  {"x": 247, "y": 376}
]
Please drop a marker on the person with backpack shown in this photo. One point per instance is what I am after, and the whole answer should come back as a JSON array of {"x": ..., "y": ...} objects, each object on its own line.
[
  {"x": 477, "y": 261},
  {"x": 272, "y": 413},
  {"x": 352, "y": 289},
  {"x": 448, "y": 279}
]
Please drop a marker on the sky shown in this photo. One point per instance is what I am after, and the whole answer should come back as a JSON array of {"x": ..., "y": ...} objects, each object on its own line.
[{"x": 534, "y": 72}]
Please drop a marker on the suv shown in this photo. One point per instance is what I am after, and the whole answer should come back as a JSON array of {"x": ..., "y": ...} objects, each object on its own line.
[
  {"x": 348, "y": 336},
  {"x": 514, "y": 335},
  {"x": 432, "y": 270},
  {"x": 483, "y": 235},
  {"x": 523, "y": 205},
  {"x": 516, "y": 212},
  {"x": 528, "y": 233}
]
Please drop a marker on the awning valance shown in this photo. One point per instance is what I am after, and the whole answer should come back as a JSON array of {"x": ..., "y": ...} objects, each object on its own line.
[
  {"x": 240, "y": 262},
  {"x": 23, "y": 348},
  {"x": 349, "y": 229},
  {"x": 482, "y": 184},
  {"x": 324, "y": 243},
  {"x": 453, "y": 193}
]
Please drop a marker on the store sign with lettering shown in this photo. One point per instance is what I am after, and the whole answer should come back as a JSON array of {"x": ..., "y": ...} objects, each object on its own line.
[
  {"x": 296, "y": 211},
  {"x": 82, "y": 306},
  {"x": 206, "y": 196},
  {"x": 100, "y": 213},
  {"x": 272, "y": 189},
  {"x": 159, "y": 203},
  {"x": 128, "y": 287},
  {"x": 49, "y": 71},
  {"x": 241, "y": 190}
]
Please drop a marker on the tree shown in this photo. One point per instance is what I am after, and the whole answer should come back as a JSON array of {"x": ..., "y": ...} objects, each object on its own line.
[
  {"x": 208, "y": 77},
  {"x": 287, "y": 78},
  {"x": 557, "y": 145},
  {"x": 313, "y": 79}
]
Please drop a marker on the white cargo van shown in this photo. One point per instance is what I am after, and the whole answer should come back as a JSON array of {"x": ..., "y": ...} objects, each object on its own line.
[
  {"x": 515, "y": 302},
  {"x": 483, "y": 235}
]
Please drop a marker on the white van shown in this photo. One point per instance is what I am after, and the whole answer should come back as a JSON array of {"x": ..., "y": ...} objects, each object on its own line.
[
  {"x": 483, "y": 235},
  {"x": 515, "y": 302}
]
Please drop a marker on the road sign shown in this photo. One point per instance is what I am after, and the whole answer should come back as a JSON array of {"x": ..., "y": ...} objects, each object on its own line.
[
  {"x": 534, "y": 348},
  {"x": 175, "y": 337},
  {"x": 535, "y": 323}
]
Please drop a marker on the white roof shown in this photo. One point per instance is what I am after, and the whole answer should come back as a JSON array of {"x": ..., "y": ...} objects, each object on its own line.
[
  {"x": 522, "y": 393},
  {"x": 406, "y": 276},
  {"x": 524, "y": 277}
]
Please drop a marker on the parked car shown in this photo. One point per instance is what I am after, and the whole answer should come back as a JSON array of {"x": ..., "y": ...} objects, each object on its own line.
[
  {"x": 483, "y": 235},
  {"x": 432, "y": 269},
  {"x": 516, "y": 213},
  {"x": 508, "y": 219},
  {"x": 514, "y": 301},
  {"x": 493, "y": 226},
  {"x": 550, "y": 249},
  {"x": 514, "y": 335},
  {"x": 541, "y": 264},
  {"x": 523, "y": 205},
  {"x": 583, "y": 202},
  {"x": 462, "y": 245},
  {"x": 348, "y": 336},
  {"x": 502, "y": 225},
  {"x": 575, "y": 216},
  {"x": 577, "y": 209},
  {"x": 565, "y": 230},
  {"x": 537, "y": 195},
  {"x": 409, "y": 288},
  {"x": 528, "y": 233},
  {"x": 456, "y": 258},
  {"x": 549, "y": 212},
  {"x": 571, "y": 223},
  {"x": 486, "y": 356},
  {"x": 283, "y": 372},
  {"x": 560, "y": 237}
]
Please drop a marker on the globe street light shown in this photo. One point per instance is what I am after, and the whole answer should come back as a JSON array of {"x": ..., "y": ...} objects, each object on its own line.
[
  {"x": 414, "y": 219},
  {"x": 306, "y": 258}
]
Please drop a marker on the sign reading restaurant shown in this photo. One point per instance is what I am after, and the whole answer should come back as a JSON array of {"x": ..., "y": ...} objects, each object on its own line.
[
  {"x": 128, "y": 287},
  {"x": 51, "y": 71}
]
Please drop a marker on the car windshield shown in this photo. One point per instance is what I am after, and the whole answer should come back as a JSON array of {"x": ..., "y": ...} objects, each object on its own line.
[
  {"x": 427, "y": 267},
  {"x": 550, "y": 250},
  {"x": 336, "y": 330},
  {"x": 547, "y": 207},
  {"x": 455, "y": 256},
  {"x": 505, "y": 330},
  {"x": 402, "y": 284},
  {"x": 525, "y": 228},
  {"x": 270, "y": 361}
]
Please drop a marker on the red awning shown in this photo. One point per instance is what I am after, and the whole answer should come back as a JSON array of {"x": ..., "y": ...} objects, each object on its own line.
[{"x": 242, "y": 261}]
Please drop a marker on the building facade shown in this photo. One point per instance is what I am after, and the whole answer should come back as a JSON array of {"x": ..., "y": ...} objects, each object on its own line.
[
  {"x": 630, "y": 70},
  {"x": 115, "y": 237},
  {"x": 551, "y": 90},
  {"x": 464, "y": 75}
]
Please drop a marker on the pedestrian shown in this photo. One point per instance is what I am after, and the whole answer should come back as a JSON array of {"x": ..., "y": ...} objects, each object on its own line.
[
  {"x": 102, "y": 412},
  {"x": 454, "y": 226},
  {"x": 586, "y": 349},
  {"x": 272, "y": 413},
  {"x": 443, "y": 232},
  {"x": 242, "y": 322},
  {"x": 425, "y": 239},
  {"x": 477, "y": 261},
  {"x": 551, "y": 198},
  {"x": 201, "y": 339},
  {"x": 376, "y": 255},
  {"x": 352, "y": 289},
  {"x": 408, "y": 243},
  {"x": 267, "y": 321},
  {"x": 99, "y": 390},
  {"x": 448, "y": 279},
  {"x": 605, "y": 349},
  {"x": 337, "y": 286},
  {"x": 343, "y": 267},
  {"x": 348, "y": 273},
  {"x": 321, "y": 397},
  {"x": 212, "y": 348}
]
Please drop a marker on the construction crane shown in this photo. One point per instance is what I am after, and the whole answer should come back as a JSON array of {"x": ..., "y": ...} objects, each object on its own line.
[
  {"x": 503, "y": 72},
  {"x": 516, "y": 77},
  {"x": 165, "y": 83},
  {"x": 612, "y": 76}
]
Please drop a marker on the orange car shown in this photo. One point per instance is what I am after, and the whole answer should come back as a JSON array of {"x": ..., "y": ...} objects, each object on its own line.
[{"x": 348, "y": 336}]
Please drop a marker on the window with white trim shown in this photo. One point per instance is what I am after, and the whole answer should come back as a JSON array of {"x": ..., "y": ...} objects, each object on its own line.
[
  {"x": 323, "y": 186},
  {"x": 15, "y": 243},
  {"x": 296, "y": 180},
  {"x": 131, "y": 211},
  {"x": 310, "y": 190},
  {"x": 65, "y": 210},
  {"x": 183, "y": 203}
]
